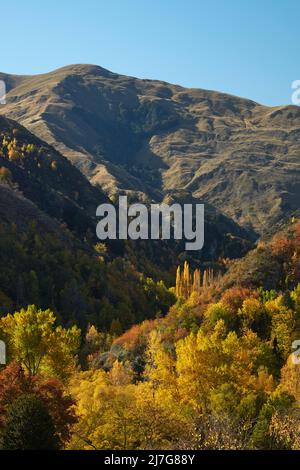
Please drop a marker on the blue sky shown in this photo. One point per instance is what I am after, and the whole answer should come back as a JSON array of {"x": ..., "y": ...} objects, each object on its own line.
[{"x": 247, "y": 48}]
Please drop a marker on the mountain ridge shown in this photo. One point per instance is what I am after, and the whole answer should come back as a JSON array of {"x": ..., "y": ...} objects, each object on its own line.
[{"x": 148, "y": 137}]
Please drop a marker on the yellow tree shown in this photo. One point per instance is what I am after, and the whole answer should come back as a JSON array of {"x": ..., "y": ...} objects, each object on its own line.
[
  {"x": 178, "y": 282},
  {"x": 160, "y": 369},
  {"x": 34, "y": 341},
  {"x": 121, "y": 417},
  {"x": 186, "y": 280},
  {"x": 208, "y": 361},
  {"x": 197, "y": 281},
  {"x": 290, "y": 378}
]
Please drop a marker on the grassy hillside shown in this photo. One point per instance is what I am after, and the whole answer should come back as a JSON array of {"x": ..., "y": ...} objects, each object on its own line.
[{"x": 148, "y": 137}]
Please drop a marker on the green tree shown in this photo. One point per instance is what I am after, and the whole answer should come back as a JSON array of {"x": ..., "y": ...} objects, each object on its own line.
[
  {"x": 29, "y": 426},
  {"x": 262, "y": 437},
  {"x": 35, "y": 342}
]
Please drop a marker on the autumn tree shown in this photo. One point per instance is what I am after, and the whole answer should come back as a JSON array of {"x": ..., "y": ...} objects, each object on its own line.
[
  {"x": 35, "y": 342},
  {"x": 188, "y": 282},
  {"x": 116, "y": 414},
  {"x": 14, "y": 382},
  {"x": 207, "y": 361}
]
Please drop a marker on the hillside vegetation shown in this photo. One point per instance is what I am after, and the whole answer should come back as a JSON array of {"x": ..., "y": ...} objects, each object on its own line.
[{"x": 216, "y": 372}]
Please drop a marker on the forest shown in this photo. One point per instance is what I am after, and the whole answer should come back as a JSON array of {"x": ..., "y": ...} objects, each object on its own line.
[{"x": 205, "y": 364}]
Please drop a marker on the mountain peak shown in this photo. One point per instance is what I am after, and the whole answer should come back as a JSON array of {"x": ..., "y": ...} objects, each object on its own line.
[{"x": 84, "y": 69}]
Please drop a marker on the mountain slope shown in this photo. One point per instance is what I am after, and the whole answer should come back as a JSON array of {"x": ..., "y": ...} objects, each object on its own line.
[
  {"x": 47, "y": 178},
  {"x": 58, "y": 189},
  {"x": 47, "y": 249},
  {"x": 150, "y": 137}
]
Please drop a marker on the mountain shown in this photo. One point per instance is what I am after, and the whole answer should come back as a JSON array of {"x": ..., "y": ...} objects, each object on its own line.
[
  {"x": 48, "y": 251},
  {"x": 150, "y": 138},
  {"x": 47, "y": 213},
  {"x": 59, "y": 189},
  {"x": 16, "y": 210},
  {"x": 48, "y": 255},
  {"x": 43, "y": 263},
  {"x": 47, "y": 178}
]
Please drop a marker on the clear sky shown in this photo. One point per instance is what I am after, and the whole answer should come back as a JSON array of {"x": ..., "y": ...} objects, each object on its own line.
[{"x": 248, "y": 48}]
